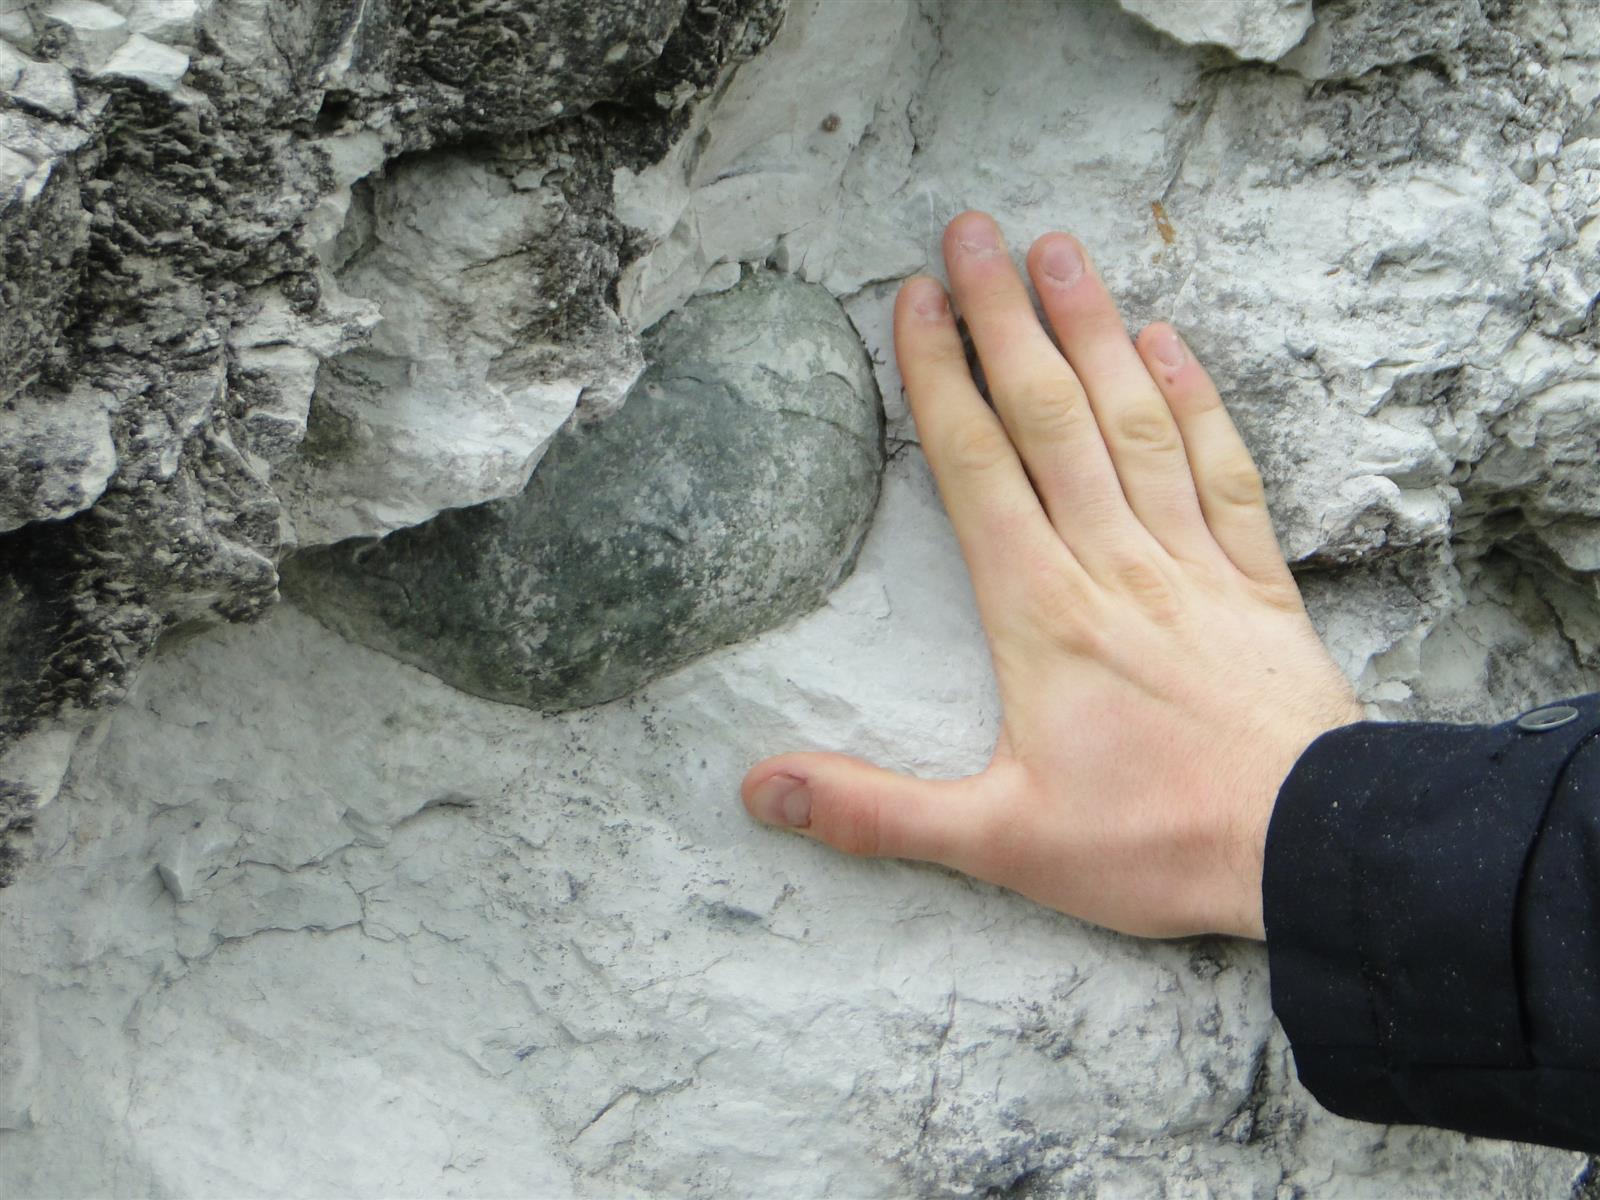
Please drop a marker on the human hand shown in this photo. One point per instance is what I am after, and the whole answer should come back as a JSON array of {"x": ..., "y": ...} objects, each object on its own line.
[{"x": 1157, "y": 670}]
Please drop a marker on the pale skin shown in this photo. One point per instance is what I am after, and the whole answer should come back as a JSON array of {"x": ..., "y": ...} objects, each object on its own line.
[{"x": 1157, "y": 671}]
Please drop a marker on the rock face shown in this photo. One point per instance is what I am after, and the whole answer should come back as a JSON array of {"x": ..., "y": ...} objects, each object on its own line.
[
  {"x": 350, "y": 269},
  {"x": 211, "y": 356},
  {"x": 728, "y": 494}
]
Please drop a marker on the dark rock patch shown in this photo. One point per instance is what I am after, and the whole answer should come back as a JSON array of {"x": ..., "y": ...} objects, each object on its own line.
[{"x": 728, "y": 494}]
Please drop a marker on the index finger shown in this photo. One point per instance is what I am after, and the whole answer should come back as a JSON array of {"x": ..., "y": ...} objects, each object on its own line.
[{"x": 997, "y": 517}]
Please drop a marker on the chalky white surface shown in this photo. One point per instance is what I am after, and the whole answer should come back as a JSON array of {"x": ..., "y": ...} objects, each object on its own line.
[
  {"x": 321, "y": 925},
  {"x": 1263, "y": 29},
  {"x": 439, "y": 419},
  {"x": 306, "y": 921}
]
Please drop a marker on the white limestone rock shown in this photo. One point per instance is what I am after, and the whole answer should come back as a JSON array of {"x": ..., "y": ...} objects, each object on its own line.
[
  {"x": 277, "y": 355},
  {"x": 16, "y": 24},
  {"x": 19, "y": 1055},
  {"x": 755, "y": 180},
  {"x": 451, "y": 399},
  {"x": 45, "y": 87},
  {"x": 162, "y": 240},
  {"x": 1263, "y": 29},
  {"x": 150, "y": 62},
  {"x": 169, "y": 21},
  {"x": 89, "y": 32},
  {"x": 1422, "y": 286},
  {"x": 450, "y": 945},
  {"x": 32, "y": 150}
]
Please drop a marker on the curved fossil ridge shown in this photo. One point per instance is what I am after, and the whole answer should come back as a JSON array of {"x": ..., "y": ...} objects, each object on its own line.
[{"x": 727, "y": 495}]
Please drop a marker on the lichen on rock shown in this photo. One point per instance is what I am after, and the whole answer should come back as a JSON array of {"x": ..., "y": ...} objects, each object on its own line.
[{"x": 728, "y": 494}]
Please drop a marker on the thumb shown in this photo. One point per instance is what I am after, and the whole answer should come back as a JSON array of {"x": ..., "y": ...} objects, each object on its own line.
[{"x": 862, "y": 809}]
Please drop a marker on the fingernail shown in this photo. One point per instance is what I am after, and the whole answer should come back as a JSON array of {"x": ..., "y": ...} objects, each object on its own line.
[
  {"x": 783, "y": 800},
  {"x": 1168, "y": 347},
  {"x": 1062, "y": 261},
  {"x": 928, "y": 299},
  {"x": 978, "y": 235}
]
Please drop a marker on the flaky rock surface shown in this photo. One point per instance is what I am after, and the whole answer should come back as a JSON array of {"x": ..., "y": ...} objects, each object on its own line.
[
  {"x": 296, "y": 893},
  {"x": 728, "y": 495}
]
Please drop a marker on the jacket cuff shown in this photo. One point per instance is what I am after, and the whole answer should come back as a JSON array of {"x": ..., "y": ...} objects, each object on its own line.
[{"x": 1394, "y": 860}]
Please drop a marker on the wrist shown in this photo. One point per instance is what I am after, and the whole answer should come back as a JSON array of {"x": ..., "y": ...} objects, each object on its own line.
[{"x": 1245, "y": 917}]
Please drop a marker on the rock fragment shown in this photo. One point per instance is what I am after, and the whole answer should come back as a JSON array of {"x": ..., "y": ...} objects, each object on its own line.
[
  {"x": 56, "y": 456},
  {"x": 43, "y": 86},
  {"x": 1349, "y": 38},
  {"x": 1264, "y": 29},
  {"x": 149, "y": 62}
]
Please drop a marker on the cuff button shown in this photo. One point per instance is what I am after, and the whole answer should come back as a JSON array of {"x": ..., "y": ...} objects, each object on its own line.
[{"x": 1541, "y": 720}]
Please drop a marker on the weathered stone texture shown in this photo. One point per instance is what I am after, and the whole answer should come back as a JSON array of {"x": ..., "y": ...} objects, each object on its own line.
[
  {"x": 174, "y": 180},
  {"x": 346, "y": 272},
  {"x": 490, "y": 272},
  {"x": 57, "y": 457}
]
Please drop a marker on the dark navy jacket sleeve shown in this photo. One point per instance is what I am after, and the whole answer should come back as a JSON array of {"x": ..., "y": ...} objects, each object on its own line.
[{"x": 1432, "y": 903}]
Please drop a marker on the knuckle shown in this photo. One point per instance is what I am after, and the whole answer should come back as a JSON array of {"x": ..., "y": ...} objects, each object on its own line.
[
  {"x": 1237, "y": 482},
  {"x": 1147, "y": 585},
  {"x": 857, "y": 829},
  {"x": 1146, "y": 428},
  {"x": 1281, "y": 593},
  {"x": 1058, "y": 614},
  {"x": 1051, "y": 410},
  {"x": 1058, "y": 609},
  {"x": 994, "y": 291},
  {"x": 977, "y": 446}
]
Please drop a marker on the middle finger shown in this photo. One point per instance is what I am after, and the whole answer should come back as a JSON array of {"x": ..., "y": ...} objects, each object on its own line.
[{"x": 1039, "y": 399}]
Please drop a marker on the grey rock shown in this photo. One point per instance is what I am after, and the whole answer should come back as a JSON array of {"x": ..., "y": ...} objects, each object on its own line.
[
  {"x": 16, "y": 25},
  {"x": 43, "y": 234},
  {"x": 157, "y": 66},
  {"x": 19, "y": 1053},
  {"x": 407, "y": 422},
  {"x": 497, "y": 67},
  {"x": 169, "y": 21},
  {"x": 56, "y": 456},
  {"x": 84, "y": 33},
  {"x": 1351, "y": 37},
  {"x": 727, "y": 495}
]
